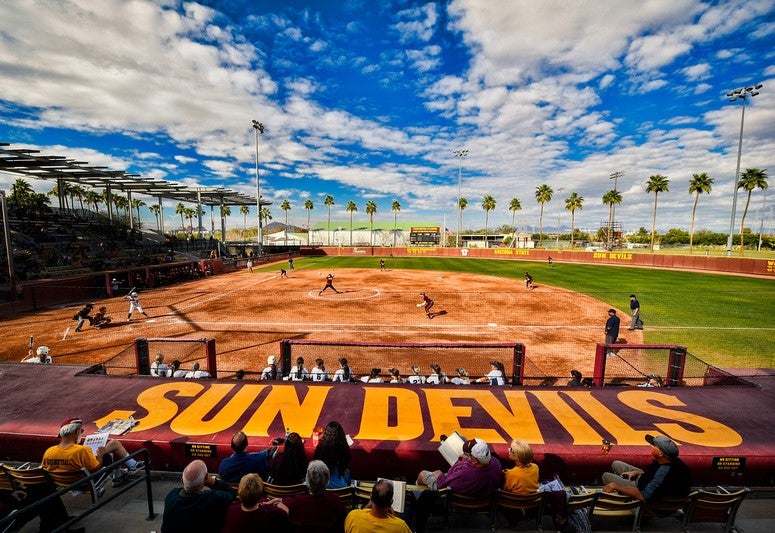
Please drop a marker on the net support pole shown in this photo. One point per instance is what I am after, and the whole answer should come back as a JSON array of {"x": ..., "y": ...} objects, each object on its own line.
[
  {"x": 676, "y": 365},
  {"x": 598, "y": 373},
  {"x": 518, "y": 370},
  {"x": 285, "y": 356},
  {"x": 212, "y": 364},
  {"x": 142, "y": 358}
]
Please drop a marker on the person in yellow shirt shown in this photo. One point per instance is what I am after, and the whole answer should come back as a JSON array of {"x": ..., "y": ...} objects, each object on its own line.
[
  {"x": 377, "y": 516},
  {"x": 523, "y": 478},
  {"x": 69, "y": 455}
]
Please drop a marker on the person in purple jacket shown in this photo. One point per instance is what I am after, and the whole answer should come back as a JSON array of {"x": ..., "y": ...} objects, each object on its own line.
[{"x": 476, "y": 473}]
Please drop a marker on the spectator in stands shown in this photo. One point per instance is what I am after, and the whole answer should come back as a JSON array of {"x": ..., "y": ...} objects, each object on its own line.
[
  {"x": 159, "y": 368},
  {"x": 52, "y": 513},
  {"x": 319, "y": 511},
  {"x": 378, "y": 514},
  {"x": 252, "y": 512},
  {"x": 587, "y": 382},
  {"x": 476, "y": 473},
  {"x": 83, "y": 316},
  {"x": 68, "y": 455},
  {"x": 344, "y": 373},
  {"x": 438, "y": 377},
  {"x": 373, "y": 377},
  {"x": 290, "y": 465},
  {"x": 334, "y": 451},
  {"x": 239, "y": 374},
  {"x": 523, "y": 478},
  {"x": 176, "y": 371},
  {"x": 496, "y": 375},
  {"x": 666, "y": 476},
  {"x": 319, "y": 372},
  {"x": 298, "y": 372},
  {"x": 196, "y": 373},
  {"x": 415, "y": 378},
  {"x": 242, "y": 462},
  {"x": 395, "y": 375},
  {"x": 461, "y": 378},
  {"x": 200, "y": 506},
  {"x": 576, "y": 381},
  {"x": 40, "y": 356},
  {"x": 270, "y": 372}
]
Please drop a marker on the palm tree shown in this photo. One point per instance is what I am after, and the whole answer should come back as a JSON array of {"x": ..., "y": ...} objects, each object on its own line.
[
  {"x": 462, "y": 203},
  {"x": 286, "y": 206},
  {"x": 225, "y": 212},
  {"x": 488, "y": 204},
  {"x": 371, "y": 208},
  {"x": 395, "y": 207},
  {"x": 328, "y": 201},
  {"x": 700, "y": 183},
  {"x": 351, "y": 208},
  {"x": 21, "y": 191},
  {"x": 543, "y": 194},
  {"x": 573, "y": 202},
  {"x": 266, "y": 215},
  {"x": 514, "y": 206},
  {"x": 180, "y": 209},
  {"x": 244, "y": 210},
  {"x": 92, "y": 199},
  {"x": 656, "y": 184},
  {"x": 309, "y": 206},
  {"x": 155, "y": 209},
  {"x": 76, "y": 191},
  {"x": 611, "y": 198},
  {"x": 137, "y": 204},
  {"x": 752, "y": 178},
  {"x": 189, "y": 212}
]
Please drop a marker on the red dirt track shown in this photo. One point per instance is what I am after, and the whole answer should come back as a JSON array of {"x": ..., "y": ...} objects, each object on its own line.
[{"x": 248, "y": 314}]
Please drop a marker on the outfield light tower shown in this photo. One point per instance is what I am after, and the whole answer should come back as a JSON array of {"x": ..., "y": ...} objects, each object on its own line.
[
  {"x": 743, "y": 93},
  {"x": 614, "y": 176},
  {"x": 259, "y": 129},
  {"x": 460, "y": 154}
]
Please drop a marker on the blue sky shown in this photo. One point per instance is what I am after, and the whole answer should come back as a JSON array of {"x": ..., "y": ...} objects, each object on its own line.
[{"x": 367, "y": 100}]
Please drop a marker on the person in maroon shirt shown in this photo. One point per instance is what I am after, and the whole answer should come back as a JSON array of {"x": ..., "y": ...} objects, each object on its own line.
[{"x": 319, "y": 511}]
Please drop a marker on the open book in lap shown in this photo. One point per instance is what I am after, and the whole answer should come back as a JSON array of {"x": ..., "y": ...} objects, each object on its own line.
[{"x": 452, "y": 447}]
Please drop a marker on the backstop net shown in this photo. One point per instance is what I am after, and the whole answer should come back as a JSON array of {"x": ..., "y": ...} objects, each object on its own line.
[
  {"x": 362, "y": 357},
  {"x": 657, "y": 365},
  {"x": 136, "y": 359}
]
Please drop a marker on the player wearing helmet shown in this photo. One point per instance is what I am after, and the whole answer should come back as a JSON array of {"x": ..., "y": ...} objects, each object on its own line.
[
  {"x": 134, "y": 303},
  {"x": 39, "y": 356}
]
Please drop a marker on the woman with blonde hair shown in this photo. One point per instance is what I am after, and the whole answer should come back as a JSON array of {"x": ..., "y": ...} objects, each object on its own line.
[
  {"x": 523, "y": 478},
  {"x": 253, "y": 512}
]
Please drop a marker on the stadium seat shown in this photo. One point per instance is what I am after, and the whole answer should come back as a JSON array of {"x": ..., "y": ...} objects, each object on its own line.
[
  {"x": 520, "y": 508},
  {"x": 94, "y": 486},
  {"x": 613, "y": 505},
  {"x": 716, "y": 507},
  {"x": 281, "y": 491}
]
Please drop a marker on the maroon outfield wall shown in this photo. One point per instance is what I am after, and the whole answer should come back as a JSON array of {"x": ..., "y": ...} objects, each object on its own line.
[
  {"x": 724, "y": 434},
  {"x": 736, "y": 265}
]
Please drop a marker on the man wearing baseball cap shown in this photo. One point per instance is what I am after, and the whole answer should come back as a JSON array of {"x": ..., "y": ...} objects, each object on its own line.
[
  {"x": 666, "y": 476},
  {"x": 69, "y": 455},
  {"x": 476, "y": 473}
]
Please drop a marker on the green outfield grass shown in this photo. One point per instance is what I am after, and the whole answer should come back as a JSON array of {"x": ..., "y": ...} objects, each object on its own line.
[{"x": 727, "y": 321}]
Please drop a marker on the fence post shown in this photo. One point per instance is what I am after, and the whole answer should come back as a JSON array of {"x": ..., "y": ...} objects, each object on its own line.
[
  {"x": 142, "y": 359},
  {"x": 598, "y": 374},
  {"x": 285, "y": 356},
  {"x": 676, "y": 365}
]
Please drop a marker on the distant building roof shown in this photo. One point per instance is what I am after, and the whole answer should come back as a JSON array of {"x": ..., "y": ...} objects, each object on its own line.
[{"x": 359, "y": 225}]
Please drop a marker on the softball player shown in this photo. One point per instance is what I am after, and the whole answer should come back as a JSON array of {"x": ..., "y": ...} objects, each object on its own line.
[{"x": 134, "y": 303}]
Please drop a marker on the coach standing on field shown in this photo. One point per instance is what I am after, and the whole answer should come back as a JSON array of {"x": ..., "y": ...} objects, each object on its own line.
[
  {"x": 636, "y": 323},
  {"x": 612, "y": 327}
]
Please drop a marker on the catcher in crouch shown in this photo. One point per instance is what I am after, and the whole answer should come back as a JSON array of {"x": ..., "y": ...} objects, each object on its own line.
[{"x": 428, "y": 303}]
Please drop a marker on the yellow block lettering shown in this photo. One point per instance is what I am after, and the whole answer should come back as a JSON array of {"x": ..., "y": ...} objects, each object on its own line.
[
  {"x": 194, "y": 421},
  {"x": 376, "y": 412},
  {"x": 299, "y": 416}
]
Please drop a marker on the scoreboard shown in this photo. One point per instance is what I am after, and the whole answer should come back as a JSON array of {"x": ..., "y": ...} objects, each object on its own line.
[{"x": 425, "y": 236}]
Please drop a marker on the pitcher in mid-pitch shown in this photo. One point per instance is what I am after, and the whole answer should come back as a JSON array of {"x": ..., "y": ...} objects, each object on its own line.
[{"x": 329, "y": 284}]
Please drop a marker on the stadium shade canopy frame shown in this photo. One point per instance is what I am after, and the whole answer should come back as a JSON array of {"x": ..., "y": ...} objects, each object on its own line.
[{"x": 52, "y": 167}]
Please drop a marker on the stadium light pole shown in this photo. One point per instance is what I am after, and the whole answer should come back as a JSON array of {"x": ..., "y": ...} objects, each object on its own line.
[
  {"x": 460, "y": 154},
  {"x": 614, "y": 176},
  {"x": 259, "y": 129},
  {"x": 743, "y": 94},
  {"x": 559, "y": 210}
]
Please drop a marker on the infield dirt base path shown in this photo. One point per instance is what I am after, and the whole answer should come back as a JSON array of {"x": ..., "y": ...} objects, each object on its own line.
[{"x": 248, "y": 314}]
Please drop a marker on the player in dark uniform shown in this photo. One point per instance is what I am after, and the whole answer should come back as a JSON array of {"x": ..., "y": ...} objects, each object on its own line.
[
  {"x": 528, "y": 280},
  {"x": 428, "y": 303},
  {"x": 329, "y": 284},
  {"x": 84, "y": 316},
  {"x": 382, "y": 264},
  {"x": 283, "y": 273},
  {"x": 290, "y": 263}
]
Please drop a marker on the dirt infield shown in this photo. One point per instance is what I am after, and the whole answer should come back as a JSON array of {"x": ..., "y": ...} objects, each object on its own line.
[{"x": 248, "y": 314}]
